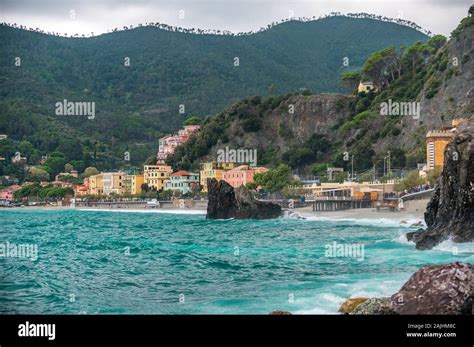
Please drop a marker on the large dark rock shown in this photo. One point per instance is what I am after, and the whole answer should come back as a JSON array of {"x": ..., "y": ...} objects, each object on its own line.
[
  {"x": 437, "y": 289},
  {"x": 450, "y": 212},
  {"x": 226, "y": 202}
]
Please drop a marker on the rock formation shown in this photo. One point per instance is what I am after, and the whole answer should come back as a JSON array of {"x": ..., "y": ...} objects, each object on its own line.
[
  {"x": 433, "y": 289},
  {"x": 437, "y": 289},
  {"x": 450, "y": 212},
  {"x": 350, "y": 304},
  {"x": 374, "y": 306},
  {"x": 280, "y": 313},
  {"x": 226, "y": 202}
]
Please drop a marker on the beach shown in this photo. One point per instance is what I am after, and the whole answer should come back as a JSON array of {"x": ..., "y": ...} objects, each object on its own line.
[{"x": 412, "y": 214}]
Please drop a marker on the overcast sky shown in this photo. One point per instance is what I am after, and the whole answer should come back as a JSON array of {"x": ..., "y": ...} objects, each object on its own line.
[{"x": 73, "y": 16}]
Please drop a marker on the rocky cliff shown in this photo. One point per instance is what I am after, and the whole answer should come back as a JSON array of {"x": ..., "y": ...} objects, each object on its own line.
[
  {"x": 450, "y": 212},
  {"x": 433, "y": 289},
  {"x": 226, "y": 202}
]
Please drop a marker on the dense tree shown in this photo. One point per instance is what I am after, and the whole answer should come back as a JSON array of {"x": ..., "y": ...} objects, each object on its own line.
[
  {"x": 276, "y": 179},
  {"x": 90, "y": 171},
  {"x": 193, "y": 120},
  {"x": 37, "y": 175}
]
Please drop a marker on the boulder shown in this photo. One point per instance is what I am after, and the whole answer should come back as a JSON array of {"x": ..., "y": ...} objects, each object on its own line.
[
  {"x": 371, "y": 306},
  {"x": 280, "y": 313},
  {"x": 350, "y": 304},
  {"x": 437, "y": 289},
  {"x": 450, "y": 212},
  {"x": 226, "y": 202}
]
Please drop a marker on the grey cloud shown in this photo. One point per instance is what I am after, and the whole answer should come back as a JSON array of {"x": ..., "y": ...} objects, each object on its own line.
[{"x": 439, "y": 16}]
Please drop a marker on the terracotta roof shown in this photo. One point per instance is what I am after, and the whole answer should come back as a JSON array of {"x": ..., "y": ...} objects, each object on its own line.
[{"x": 182, "y": 173}]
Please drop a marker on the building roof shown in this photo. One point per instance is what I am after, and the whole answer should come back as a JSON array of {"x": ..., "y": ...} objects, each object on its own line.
[
  {"x": 439, "y": 133},
  {"x": 182, "y": 173}
]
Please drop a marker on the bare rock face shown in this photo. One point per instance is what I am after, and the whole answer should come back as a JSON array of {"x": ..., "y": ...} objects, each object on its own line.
[
  {"x": 437, "y": 289},
  {"x": 450, "y": 212},
  {"x": 225, "y": 202}
]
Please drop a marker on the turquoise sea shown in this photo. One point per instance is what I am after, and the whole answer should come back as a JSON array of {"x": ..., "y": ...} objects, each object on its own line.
[{"x": 104, "y": 262}]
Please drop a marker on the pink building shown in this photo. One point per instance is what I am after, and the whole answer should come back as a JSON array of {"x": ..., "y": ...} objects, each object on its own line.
[
  {"x": 168, "y": 144},
  {"x": 242, "y": 175},
  {"x": 7, "y": 193}
]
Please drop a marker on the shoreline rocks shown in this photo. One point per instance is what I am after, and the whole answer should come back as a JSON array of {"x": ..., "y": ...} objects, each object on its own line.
[
  {"x": 450, "y": 212},
  {"x": 350, "y": 305},
  {"x": 226, "y": 202},
  {"x": 436, "y": 289},
  {"x": 444, "y": 289}
]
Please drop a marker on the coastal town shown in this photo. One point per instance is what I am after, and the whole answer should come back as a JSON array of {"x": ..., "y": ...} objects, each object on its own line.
[{"x": 160, "y": 182}]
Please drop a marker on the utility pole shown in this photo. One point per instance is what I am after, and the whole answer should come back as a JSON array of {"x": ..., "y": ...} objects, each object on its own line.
[
  {"x": 384, "y": 159},
  {"x": 352, "y": 178},
  {"x": 388, "y": 165}
]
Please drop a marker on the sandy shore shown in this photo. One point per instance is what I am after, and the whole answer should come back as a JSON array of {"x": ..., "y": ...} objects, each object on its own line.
[{"x": 412, "y": 214}]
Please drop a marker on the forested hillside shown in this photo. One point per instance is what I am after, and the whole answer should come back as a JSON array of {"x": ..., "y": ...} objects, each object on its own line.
[
  {"x": 436, "y": 75},
  {"x": 136, "y": 104}
]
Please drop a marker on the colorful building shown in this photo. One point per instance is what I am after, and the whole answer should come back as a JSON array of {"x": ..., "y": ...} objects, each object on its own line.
[
  {"x": 156, "y": 175},
  {"x": 6, "y": 195},
  {"x": 213, "y": 170},
  {"x": 366, "y": 86},
  {"x": 168, "y": 144},
  {"x": 436, "y": 142},
  {"x": 96, "y": 185},
  {"x": 242, "y": 175},
  {"x": 132, "y": 184},
  {"x": 82, "y": 189},
  {"x": 112, "y": 182},
  {"x": 183, "y": 181}
]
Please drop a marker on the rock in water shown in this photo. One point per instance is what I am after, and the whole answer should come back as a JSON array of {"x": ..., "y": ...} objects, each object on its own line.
[
  {"x": 225, "y": 202},
  {"x": 436, "y": 289},
  {"x": 450, "y": 212}
]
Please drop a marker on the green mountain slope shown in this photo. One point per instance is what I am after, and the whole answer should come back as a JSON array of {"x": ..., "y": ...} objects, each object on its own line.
[
  {"x": 437, "y": 76},
  {"x": 135, "y": 104}
]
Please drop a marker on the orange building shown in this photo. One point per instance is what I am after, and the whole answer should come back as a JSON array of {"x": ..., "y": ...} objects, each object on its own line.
[
  {"x": 242, "y": 175},
  {"x": 436, "y": 142}
]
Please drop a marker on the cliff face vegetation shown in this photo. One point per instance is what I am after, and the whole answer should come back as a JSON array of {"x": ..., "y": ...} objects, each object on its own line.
[{"x": 296, "y": 128}]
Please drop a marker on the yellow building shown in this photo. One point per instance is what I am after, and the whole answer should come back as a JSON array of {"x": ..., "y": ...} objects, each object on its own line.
[
  {"x": 96, "y": 185},
  {"x": 155, "y": 175},
  {"x": 436, "y": 142},
  {"x": 213, "y": 170},
  {"x": 366, "y": 86},
  {"x": 137, "y": 181},
  {"x": 112, "y": 182}
]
